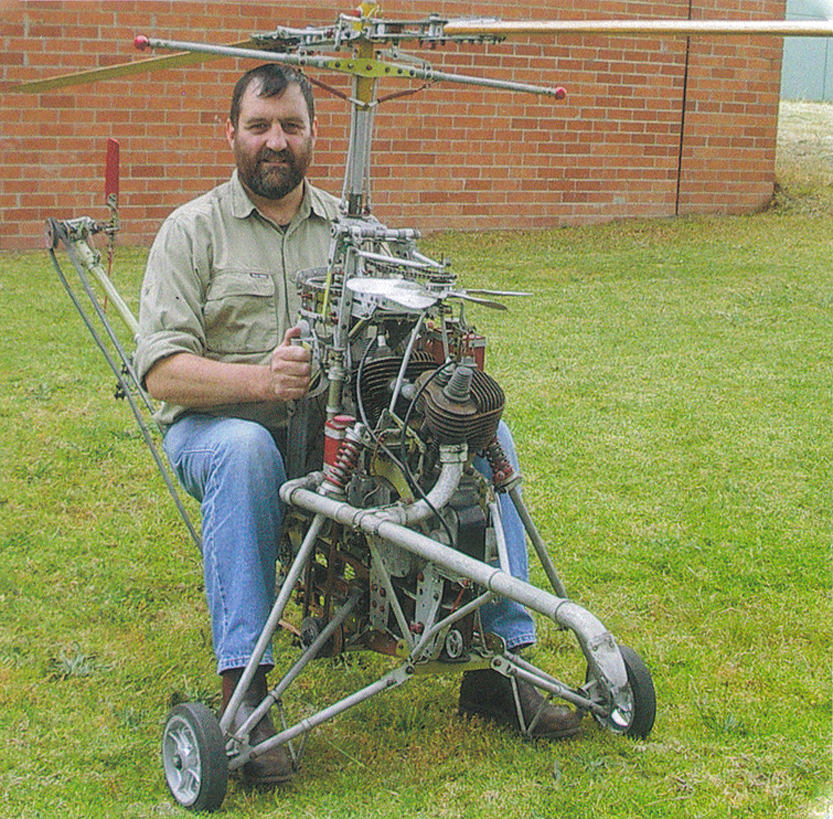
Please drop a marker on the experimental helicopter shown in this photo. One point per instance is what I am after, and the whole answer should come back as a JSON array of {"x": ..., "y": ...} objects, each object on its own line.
[{"x": 393, "y": 544}]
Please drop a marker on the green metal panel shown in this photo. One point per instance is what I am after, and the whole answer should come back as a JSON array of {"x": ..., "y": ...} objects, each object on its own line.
[{"x": 807, "y": 69}]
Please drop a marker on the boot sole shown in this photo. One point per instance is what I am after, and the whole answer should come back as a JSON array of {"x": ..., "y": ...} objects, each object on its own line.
[
  {"x": 502, "y": 719},
  {"x": 265, "y": 781}
]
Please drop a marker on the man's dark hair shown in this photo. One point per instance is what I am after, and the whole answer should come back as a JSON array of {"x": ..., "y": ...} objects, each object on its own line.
[{"x": 273, "y": 79}]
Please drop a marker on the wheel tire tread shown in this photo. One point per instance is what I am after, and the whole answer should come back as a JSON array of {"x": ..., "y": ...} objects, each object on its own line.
[
  {"x": 644, "y": 694},
  {"x": 214, "y": 762}
]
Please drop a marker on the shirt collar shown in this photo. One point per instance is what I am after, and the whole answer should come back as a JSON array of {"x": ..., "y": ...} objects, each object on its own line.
[{"x": 241, "y": 205}]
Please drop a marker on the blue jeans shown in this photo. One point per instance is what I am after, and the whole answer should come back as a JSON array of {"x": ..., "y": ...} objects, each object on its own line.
[
  {"x": 506, "y": 618},
  {"x": 234, "y": 469}
]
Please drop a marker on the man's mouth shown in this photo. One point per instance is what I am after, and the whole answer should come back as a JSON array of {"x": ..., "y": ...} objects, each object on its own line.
[{"x": 275, "y": 159}]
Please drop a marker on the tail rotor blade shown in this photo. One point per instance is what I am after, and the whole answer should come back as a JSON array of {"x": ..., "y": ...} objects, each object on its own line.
[{"x": 111, "y": 170}]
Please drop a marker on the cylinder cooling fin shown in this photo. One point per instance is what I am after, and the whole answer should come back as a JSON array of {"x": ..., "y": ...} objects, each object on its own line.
[
  {"x": 379, "y": 373},
  {"x": 466, "y": 409}
]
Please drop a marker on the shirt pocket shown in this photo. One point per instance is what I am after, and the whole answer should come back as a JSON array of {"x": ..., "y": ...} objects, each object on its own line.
[{"x": 241, "y": 313}]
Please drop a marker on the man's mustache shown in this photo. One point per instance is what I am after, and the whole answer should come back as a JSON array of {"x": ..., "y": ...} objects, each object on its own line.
[{"x": 268, "y": 155}]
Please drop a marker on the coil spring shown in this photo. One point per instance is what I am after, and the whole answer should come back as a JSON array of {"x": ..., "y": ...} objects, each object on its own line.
[
  {"x": 347, "y": 459},
  {"x": 502, "y": 470}
]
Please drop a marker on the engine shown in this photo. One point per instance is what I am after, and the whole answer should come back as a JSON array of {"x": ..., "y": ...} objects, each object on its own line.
[{"x": 409, "y": 407}]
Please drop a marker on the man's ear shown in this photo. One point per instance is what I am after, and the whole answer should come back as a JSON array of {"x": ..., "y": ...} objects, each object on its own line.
[
  {"x": 230, "y": 131},
  {"x": 314, "y": 129}
]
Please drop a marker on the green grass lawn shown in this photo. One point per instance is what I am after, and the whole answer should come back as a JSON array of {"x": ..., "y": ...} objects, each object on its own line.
[{"x": 669, "y": 388}]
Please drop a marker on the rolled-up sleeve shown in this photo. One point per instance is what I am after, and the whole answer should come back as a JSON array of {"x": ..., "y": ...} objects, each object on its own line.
[{"x": 171, "y": 316}]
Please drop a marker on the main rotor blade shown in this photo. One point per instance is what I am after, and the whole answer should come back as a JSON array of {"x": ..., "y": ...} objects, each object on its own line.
[
  {"x": 122, "y": 70},
  {"x": 464, "y": 295},
  {"x": 678, "y": 28},
  {"x": 481, "y": 292}
]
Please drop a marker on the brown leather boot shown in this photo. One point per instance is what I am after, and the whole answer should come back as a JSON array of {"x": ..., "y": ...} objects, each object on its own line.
[
  {"x": 274, "y": 766},
  {"x": 489, "y": 694}
]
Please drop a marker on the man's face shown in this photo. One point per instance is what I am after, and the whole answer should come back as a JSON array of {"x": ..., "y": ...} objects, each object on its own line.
[{"x": 273, "y": 141}]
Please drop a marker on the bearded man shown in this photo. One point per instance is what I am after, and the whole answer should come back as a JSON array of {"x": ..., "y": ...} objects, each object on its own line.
[{"x": 217, "y": 313}]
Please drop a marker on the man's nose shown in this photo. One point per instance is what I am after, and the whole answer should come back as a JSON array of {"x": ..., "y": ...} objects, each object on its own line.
[{"x": 276, "y": 138}]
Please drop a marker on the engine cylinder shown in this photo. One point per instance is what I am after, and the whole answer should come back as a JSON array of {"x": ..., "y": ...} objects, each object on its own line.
[{"x": 467, "y": 410}]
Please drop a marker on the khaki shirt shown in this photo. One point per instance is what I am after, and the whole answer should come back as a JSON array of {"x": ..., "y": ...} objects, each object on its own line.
[{"x": 220, "y": 283}]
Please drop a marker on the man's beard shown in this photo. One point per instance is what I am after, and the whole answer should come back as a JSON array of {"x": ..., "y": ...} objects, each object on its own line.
[{"x": 274, "y": 181}]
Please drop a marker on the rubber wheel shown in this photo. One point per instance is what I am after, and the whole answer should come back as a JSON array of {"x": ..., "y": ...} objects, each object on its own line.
[
  {"x": 194, "y": 757},
  {"x": 640, "y": 721}
]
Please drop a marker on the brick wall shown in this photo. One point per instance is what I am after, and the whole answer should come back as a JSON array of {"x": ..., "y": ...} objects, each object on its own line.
[{"x": 650, "y": 127}]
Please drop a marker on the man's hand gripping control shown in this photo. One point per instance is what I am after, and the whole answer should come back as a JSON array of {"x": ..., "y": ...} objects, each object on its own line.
[{"x": 291, "y": 367}]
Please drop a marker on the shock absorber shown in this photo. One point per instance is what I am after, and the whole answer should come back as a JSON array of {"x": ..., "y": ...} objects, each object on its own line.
[
  {"x": 338, "y": 469},
  {"x": 505, "y": 479},
  {"x": 504, "y": 476}
]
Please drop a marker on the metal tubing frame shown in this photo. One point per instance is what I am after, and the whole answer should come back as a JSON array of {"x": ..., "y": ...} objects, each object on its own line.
[
  {"x": 84, "y": 259},
  {"x": 597, "y": 643},
  {"x": 298, "y": 666},
  {"x": 288, "y": 586},
  {"x": 514, "y": 666},
  {"x": 76, "y": 231},
  {"x": 390, "y": 680},
  {"x": 388, "y": 525},
  {"x": 537, "y": 541},
  {"x": 500, "y": 537}
]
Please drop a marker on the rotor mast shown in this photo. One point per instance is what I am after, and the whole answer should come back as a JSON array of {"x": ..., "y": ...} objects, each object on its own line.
[{"x": 356, "y": 192}]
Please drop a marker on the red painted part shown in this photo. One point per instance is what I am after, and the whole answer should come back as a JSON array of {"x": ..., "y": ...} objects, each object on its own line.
[{"x": 111, "y": 171}]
